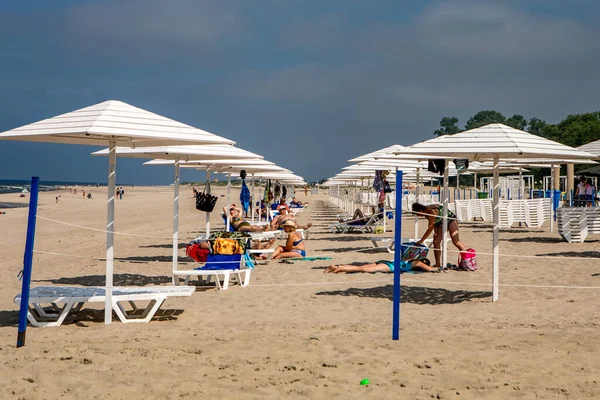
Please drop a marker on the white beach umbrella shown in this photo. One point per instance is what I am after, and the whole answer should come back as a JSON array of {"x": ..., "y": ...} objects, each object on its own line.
[
  {"x": 495, "y": 142},
  {"x": 178, "y": 153},
  {"x": 114, "y": 123},
  {"x": 593, "y": 147}
]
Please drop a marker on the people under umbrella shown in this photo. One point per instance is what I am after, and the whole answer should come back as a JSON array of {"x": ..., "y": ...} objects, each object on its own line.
[
  {"x": 297, "y": 203},
  {"x": 360, "y": 218},
  {"x": 294, "y": 245},
  {"x": 238, "y": 222},
  {"x": 284, "y": 215}
]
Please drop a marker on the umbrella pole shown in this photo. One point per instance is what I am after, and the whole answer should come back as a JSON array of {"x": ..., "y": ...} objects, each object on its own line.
[
  {"x": 417, "y": 194},
  {"x": 445, "y": 216},
  {"x": 110, "y": 229},
  {"x": 552, "y": 183},
  {"x": 397, "y": 251},
  {"x": 207, "y": 214},
  {"x": 228, "y": 199},
  {"x": 175, "y": 217},
  {"x": 496, "y": 234},
  {"x": 253, "y": 198}
]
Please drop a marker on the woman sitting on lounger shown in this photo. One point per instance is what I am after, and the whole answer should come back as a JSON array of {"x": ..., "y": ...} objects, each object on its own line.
[
  {"x": 294, "y": 247},
  {"x": 384, "y": 266},
  {"x": 238, "y": 222},
  {"x": 433, "y": 214}
]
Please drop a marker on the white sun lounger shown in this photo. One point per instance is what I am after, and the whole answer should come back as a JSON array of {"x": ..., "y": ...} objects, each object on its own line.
[
  {"x": 346, "y": 227},
  {"x": 73, "y": 298}
]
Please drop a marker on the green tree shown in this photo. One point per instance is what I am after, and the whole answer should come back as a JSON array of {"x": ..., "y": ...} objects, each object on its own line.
[
  {"x": 485, "y": 117},
  {"x": 537, "y": 126},
  {"x": 579, "y": 129},
  {"x": 448, "y": 126},
  {"x": 517, "y": 122}
]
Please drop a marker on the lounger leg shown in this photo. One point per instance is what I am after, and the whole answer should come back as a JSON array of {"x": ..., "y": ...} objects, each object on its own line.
[
  {"x": 146, "y": 316},
  {"x": 226, "y": 277},
  {"x": 63, "y": 314}
]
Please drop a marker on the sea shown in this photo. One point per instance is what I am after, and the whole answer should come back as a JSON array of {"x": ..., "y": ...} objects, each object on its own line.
[{"x": 17, "y": 186}]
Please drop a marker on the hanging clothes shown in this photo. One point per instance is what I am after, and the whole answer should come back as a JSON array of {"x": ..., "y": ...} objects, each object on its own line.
[
  {"x": 245, "y": 197},
  {"x": 277, "y": 190}
]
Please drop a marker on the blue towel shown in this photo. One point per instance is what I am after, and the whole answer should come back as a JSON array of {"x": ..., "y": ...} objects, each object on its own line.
[{"x": 215, "y": 262}]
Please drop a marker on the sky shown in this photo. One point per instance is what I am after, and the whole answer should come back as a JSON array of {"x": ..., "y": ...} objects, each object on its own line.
[{"x": 308, "y": 84}]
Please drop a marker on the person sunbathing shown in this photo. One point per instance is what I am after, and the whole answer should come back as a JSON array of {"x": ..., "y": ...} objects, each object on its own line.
[
  {"x": 384, "y": 266},
  {"x": 294, "y": 246},
  {"x": 297, "y": 203},
  {"x": 360, "y": 218},
  {"x": 283, "y": 216},
  {"x": 239, "y": 224},
  {"x": 433, "y": 214}
]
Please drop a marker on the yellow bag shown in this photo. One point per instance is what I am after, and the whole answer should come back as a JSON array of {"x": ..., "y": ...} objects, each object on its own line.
[
  {"x": 378, "y": 230},
  {"x": 227, "y": 246}
]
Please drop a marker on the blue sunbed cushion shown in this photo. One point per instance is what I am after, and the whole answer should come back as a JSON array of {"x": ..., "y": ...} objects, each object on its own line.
[{"x": 215, "y": 262}]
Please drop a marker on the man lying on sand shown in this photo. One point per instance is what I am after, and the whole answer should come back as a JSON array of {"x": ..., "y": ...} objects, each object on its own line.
[{"x": 422, "y": 264}]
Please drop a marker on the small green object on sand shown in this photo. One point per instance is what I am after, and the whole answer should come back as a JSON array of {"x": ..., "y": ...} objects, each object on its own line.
[{"x": 364, "y": 382}]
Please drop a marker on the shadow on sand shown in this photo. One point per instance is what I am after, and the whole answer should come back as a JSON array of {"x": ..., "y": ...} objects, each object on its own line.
[
  {"x": 118, "y": 280},
  {"x": 413, "y": 294}
]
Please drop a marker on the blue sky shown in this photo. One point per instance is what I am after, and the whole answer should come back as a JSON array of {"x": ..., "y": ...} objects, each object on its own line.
[{"x": 306, "y": 83}]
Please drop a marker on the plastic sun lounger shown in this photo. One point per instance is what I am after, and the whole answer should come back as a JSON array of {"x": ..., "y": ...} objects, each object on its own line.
[
  {"x": 345, "y": 227},
  {"x": 242, "y": 276},
  {"x": 73, "y": 298},
  {"x": 388, "y": 243}
]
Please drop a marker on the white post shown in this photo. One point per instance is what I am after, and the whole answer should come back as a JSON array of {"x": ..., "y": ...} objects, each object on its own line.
[
  {"x": 417, "y": 194},
  {"x": 552, "y": 183},
  {"x": 496, "y": 232},
  {"x": 228, "y": 199},
  {"x": 253, "y": 198},
  {"x": 521, "y": 186},
  {"x": 475, "y": 183},
  {"x": 207, "y": 214},
  {"x": 110, "y": 228},
  {"x": 445, "y": 216},
  {"x": 175, "y": 218}
]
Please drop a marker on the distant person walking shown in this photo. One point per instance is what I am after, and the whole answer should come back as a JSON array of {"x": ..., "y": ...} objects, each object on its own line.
[
  {"x": 122, "y": 193},
  {"x": 305, "y": 190}
]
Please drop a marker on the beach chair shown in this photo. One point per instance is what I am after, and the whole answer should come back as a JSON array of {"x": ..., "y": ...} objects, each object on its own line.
[
  {"x": 388, "y": 243},
  {"x": 348, "y": 227},
  {"x": 72, "y": 299},
  {"x": 220, "y": 267}
]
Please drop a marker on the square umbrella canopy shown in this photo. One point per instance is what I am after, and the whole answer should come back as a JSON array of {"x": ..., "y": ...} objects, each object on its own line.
[
  {"x": 493, "y": 142},
  {"x": 593, "y": 147},
  {"x": 112, "y": 122}
]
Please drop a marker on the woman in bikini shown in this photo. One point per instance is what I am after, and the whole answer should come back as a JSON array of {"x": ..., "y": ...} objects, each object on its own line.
[
  {"x": 433, "y": 215},
  {"x": 384, "y": 266},
  {"x": 294, "y": 247},
  {"x": 238, "y": 222}
]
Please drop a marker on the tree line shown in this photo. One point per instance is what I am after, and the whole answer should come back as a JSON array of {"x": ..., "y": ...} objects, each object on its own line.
[{"x": 574, "y": 130}]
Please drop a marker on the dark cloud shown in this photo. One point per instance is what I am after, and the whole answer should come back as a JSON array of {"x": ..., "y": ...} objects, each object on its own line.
[{"x": 307, "y": 84}]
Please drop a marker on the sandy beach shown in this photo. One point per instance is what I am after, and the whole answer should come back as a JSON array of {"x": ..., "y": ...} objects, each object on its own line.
[{"x": 296, "y": 332}]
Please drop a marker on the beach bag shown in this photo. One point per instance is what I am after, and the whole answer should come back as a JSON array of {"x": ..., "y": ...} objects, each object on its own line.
[
  {"x": 227, "y": 246},
  {"x": 194, "y": 251},
  {"x": 412, "y": 251},
  {"x": 386, "y": 187},
  {"x": 204, "y": 200},
  {"x": 468, "y": 260}
]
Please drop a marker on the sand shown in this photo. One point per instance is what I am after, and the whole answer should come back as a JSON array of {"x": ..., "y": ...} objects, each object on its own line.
[{"x": 296, "y": 332}]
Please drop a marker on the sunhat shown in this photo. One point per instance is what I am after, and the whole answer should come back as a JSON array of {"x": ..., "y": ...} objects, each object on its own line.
[{"x": 288, "y": 222}]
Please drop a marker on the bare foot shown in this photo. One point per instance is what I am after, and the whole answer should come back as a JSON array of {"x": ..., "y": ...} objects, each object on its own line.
[
  {"x": 308, "y": 225},
  {"x": 332, "y": 269}
]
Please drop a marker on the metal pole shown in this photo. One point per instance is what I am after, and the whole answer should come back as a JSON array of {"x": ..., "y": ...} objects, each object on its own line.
[
  {"x": 207, "y": 214},
  {"x": 253, "y": 198},
  {"x": 496, "y": 232},
  {"x": 175, "y": 217},
  {"x": 110, "y": 229},
  {"x": 417, "y": 194},
  {"x": 552, "y": 211},
  {"x": 228, "y": 199},
  {"x": 28, "y": 261},
  {"x": 445, "y": 216},
  {"x": 397, "y": 250}
]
